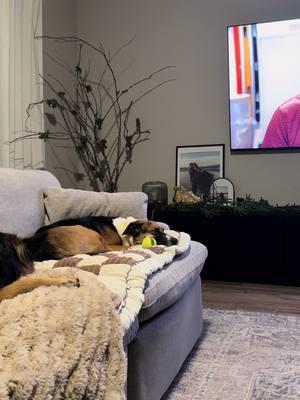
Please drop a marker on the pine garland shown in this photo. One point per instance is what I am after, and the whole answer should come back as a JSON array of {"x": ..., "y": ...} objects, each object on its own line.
[{"x": 247, "y": 207}]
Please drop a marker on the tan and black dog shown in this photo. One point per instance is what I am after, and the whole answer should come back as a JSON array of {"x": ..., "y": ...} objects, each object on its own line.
[{"x": 88, "y": 235}]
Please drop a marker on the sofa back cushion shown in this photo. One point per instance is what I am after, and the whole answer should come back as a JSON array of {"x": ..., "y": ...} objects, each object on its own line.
[
  {"x": 73, "y": 203},
  {"x": 21, "y": 200}
]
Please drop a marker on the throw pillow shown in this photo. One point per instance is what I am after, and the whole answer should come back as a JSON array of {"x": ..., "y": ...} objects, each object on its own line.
[{"x": 72, "y": 203}]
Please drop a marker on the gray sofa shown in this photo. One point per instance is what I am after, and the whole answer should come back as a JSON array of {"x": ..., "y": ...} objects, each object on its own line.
[{"x": 170, "y": 321}]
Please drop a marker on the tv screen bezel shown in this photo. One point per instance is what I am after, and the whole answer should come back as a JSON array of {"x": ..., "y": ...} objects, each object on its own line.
[{"x": 265, "y": 150}]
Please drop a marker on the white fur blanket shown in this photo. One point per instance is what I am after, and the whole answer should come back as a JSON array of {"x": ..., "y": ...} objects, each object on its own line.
[{"x": 59, "y": 342}]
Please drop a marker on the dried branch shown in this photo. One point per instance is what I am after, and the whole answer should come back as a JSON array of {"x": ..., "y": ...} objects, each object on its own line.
[{"x": 93, "y": 120}]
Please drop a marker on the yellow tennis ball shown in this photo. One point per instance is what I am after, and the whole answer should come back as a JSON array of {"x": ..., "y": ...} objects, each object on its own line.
[{"x": 148, "y": 242}]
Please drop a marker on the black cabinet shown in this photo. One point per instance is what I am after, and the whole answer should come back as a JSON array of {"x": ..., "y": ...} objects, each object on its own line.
[{"x": 243, "y": 248}]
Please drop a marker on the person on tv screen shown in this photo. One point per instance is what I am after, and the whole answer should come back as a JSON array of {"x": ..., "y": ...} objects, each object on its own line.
[{"x": 284, "y": 127}]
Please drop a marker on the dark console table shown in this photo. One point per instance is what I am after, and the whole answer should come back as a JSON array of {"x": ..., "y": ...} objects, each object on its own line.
[{"x": 262, "y": 248}]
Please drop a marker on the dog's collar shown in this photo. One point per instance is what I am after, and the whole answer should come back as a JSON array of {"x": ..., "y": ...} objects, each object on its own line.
[{"x": 121, "y": 224}]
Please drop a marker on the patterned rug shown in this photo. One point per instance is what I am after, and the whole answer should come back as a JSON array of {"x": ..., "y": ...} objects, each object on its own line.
[{"x": 242, "y": 356}]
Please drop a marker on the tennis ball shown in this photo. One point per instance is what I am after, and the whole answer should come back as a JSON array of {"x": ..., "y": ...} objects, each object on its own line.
[{"x": 148, "y": 242}]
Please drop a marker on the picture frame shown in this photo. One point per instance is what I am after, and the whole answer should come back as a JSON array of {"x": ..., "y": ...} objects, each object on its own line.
[
  {"x": 198, "y": 166},
  {"x": 222, "y": 189}
]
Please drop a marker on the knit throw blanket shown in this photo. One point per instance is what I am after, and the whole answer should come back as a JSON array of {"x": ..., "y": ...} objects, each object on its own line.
[
  {"x": 125, "y": 272},
  {"x": 59, "y": 342}
]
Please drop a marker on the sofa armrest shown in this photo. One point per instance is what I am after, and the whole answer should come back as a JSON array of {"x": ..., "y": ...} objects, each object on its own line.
[{"x": 21, "y": 200}]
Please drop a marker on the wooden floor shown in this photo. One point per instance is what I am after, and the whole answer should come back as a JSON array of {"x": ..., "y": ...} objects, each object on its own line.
[{"x": 253, "y": 297}]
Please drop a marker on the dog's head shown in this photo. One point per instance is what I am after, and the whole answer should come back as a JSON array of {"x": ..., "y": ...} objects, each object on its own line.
[
  {"x": 14, "y": 262},
  {"x": 138, "y": 230}
]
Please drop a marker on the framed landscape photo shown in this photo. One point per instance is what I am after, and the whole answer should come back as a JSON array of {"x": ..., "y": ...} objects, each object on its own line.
[{"x": 198, "y": 166}]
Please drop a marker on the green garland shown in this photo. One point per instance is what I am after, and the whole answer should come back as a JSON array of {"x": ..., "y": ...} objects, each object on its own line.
[{"x": 247, "y": 207}]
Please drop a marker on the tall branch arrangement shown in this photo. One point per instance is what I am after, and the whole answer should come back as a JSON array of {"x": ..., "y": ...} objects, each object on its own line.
[{"x": 97, "y": 117}]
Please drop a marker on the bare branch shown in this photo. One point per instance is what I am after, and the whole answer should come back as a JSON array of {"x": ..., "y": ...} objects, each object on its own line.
[
  {"x": 152, "y": 89},
  {"x": 115, "y": 55},
  {"x": 138, "y": 83},
  {"x": 149, "y": 77},
  {"x": 94, "y": 120}
]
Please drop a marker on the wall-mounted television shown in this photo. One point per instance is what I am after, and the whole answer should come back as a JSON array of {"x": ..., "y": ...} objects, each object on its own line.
[{"x": 264, "y": 85}]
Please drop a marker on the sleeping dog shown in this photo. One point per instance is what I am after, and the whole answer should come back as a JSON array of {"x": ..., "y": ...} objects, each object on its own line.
[{"x": 88, "y": 235}]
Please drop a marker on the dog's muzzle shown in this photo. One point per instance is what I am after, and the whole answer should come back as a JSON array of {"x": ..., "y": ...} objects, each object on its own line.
[{"x": 164, "y": 239}]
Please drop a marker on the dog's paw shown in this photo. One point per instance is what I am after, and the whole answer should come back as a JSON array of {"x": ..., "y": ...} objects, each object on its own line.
[{"x": 68, "y": 281}]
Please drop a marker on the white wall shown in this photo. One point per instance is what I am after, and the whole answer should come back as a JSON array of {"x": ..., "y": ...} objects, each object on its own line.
[{"x": 194, "y": 110}]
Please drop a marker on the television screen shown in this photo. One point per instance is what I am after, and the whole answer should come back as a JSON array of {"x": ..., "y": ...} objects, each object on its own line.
[{"x": 264, "y": 85}]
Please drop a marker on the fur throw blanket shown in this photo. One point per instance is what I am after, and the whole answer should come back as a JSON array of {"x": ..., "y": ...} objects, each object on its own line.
[
  {"x": 62, "y": 343},
  {"x": 66, "y": 343}
]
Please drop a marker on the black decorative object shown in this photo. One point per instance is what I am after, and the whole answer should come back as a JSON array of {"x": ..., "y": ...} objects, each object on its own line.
[{"x": 156, "y": 191}]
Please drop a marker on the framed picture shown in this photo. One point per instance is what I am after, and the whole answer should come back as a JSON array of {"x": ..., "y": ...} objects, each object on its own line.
[
  {"x": 198, "y": 166},
  {"x": 222, "y": 190}
]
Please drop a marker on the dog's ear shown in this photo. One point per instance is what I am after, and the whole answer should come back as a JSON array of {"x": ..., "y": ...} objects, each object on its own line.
[
  {"x": 133, "y": 229},
  {"x": 20, "y": 250},
  {"x": 24, "y": 259},
  {"x": 13, "y": 259}
]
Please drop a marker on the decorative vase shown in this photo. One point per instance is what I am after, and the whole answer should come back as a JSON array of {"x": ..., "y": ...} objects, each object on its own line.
[{"x": 156, "y": 191}]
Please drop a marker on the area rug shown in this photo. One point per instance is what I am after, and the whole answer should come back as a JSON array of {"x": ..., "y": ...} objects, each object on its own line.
[{"x": 242, "y": 356}]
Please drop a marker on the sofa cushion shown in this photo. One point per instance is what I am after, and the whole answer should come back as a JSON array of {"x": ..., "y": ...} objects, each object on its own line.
[
  {"x": 166, "y": 286},
  {"x": 73, "y": 203},
  {"x": 21, "y": 200}
]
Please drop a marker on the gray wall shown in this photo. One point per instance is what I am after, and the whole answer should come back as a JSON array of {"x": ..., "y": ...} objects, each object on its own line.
[
  {"x": 194, "y": 110},
  {"x": 59, "y": 19}
]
